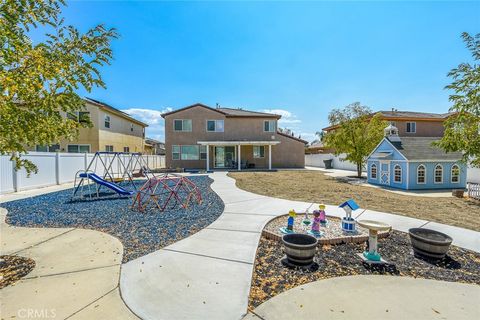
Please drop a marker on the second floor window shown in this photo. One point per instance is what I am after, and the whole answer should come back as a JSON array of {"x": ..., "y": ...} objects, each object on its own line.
[
  {"x": 109, "y": 148},
  {"x": 107, "y": 121},
  {"x": 411, "y": 127},
  {"x": 269, "y": 126},
  {"x": 131, "y": 127},
  {"x": 50, "y": 148},
  {"x": 81, "y": 116},
  {"x": 215, "y": 125},
  {"x": 182, "y": 125}
]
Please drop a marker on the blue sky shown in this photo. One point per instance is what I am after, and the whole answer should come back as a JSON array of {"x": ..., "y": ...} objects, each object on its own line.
[{"x": 302, "y": 58}]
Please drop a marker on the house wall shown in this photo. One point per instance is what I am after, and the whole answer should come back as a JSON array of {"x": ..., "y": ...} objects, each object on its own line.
[
  {"x": 423, "y": 128},
  {"x": 289, "y": 153},
  {"x": 430, "y": 171}
]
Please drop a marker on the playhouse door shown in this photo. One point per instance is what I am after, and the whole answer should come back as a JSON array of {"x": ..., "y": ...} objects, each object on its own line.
[{"x": 385, "y": 173}]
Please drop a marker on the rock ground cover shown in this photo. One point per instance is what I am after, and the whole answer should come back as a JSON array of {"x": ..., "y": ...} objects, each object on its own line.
[
  {"x": 314, "y": 186},
  {"x": 13, "y": 268},
  {"x": 139, "y": 232},
  {"x": 271, "y": 278}
]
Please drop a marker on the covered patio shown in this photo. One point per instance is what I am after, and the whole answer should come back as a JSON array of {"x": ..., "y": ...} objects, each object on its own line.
[{"x": 228, "y": 154}]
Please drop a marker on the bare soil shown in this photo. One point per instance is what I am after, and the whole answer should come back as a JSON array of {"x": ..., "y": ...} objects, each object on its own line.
[{"x": 314, "y": 186}]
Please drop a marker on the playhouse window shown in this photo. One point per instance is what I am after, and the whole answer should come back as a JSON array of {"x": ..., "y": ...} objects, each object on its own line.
[
  {"x": 438, "y": 173},
  {"x": 421, "y": 174},
  {"x": 397, "y": 174},
  {"x": 373, "y": 171},
  {"x": 455, "y": 174}
]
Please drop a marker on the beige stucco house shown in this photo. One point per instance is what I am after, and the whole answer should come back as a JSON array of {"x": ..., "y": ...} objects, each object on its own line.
[
  {"x": 112, "y": 130},
  {"x": 202, "y": 137}
]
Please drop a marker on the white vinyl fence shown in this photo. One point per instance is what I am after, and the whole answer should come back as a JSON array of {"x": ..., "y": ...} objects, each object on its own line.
[
  {"x": 316, "y": 160},
  {"x": 54, "y": 168}
]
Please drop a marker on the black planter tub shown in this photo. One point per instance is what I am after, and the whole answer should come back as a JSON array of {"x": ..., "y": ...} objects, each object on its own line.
[
  {"x": 429, "y": 243},
  {"x": 299, "y": 248}
]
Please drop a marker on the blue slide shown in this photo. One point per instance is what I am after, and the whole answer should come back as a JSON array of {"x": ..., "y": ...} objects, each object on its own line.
[{"x": 107, "y": 184}]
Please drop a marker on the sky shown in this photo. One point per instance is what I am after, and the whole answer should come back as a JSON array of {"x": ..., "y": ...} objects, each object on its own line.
[{"x": 299, "y": 59}]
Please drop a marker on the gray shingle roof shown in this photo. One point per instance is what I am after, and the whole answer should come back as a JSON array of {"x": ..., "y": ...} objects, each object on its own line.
[
  {"x": 412, "y": 114},
  {"x": 420, "y": 148},
  {"x": 246, "y": 113}
]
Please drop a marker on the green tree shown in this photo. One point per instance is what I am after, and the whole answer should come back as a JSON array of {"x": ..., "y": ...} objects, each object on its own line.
[
  {"x": 38, "y": 81},
  {"x": 462, "y": 128},
  {"x": 357, "y": 133}
]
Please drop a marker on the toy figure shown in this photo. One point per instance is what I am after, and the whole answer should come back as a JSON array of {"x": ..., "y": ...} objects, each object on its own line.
[
  {"x": 291, "y": 220},
  {"x": 316, "y": 222},
  {"x": 323, "y": 216}
]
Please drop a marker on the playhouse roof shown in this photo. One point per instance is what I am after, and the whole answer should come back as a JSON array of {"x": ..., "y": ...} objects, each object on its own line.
[
  {"x": 421, "y": 148},
  {"x": 350, "y": 203}
]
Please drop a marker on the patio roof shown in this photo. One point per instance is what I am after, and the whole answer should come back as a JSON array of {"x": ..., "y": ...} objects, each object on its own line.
[{"x": 238, "y": 142}]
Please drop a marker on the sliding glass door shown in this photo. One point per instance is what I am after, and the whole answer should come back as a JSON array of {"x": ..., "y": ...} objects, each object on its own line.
[{"x": 224, "y": 157}]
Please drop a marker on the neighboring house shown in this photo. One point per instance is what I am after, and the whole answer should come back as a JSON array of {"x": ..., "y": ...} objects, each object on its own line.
[
  {"x": 202, "y": 137},
  {"x": 412, "y": 163},
  {"x": 113, "y": 130},
  {"x": 412, "y": 124},
  {"x": 153, "y": 146}
]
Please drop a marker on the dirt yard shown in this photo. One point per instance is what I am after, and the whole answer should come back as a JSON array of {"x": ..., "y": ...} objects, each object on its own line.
[{"x": 314, "y": 186}]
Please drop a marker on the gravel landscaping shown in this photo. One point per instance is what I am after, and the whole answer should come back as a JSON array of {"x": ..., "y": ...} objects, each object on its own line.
[
  {"x": 270, "y": 277},
  {"x": 314, "y": 186},
  {"x": 139, "y": 232},
  {"x": 13, "y": 268}
]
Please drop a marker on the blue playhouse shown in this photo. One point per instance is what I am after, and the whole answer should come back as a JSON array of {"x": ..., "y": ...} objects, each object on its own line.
[{"x": 413, "y": 163}]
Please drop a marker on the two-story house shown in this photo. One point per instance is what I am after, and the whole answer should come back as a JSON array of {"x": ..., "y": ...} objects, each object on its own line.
[
  {"x": 202, "y": 137},
  {"x": 112, "y": 130},
  {"x": 412, "y": 124}
]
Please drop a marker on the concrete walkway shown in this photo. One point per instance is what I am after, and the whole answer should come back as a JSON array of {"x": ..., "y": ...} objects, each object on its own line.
[
  {"x": 76, "y": 274},
  {"x": 208, "y": 274},
  {"x": 373, "y": 297}
]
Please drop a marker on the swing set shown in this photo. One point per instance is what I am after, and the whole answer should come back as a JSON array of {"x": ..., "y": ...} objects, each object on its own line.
[{"x": 108, "y": 169}]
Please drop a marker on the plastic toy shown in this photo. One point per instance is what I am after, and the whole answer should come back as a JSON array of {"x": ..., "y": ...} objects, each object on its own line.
[
  {"x": 316, "y": 224},
  {"x": 348, "y": 223},
  {"x": 323, "y": 216},
  {"x": 306, "y": 221},
  {"x": 290, "y": 222}
]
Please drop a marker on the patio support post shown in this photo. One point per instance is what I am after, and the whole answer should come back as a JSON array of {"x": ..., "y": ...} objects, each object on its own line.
[
  {"x": 208, "y": 157},
  {"x": 269, "y": 157},
  {"x": 239, "y": 157}
]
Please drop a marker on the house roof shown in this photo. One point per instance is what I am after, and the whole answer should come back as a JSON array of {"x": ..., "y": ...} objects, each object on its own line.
[
  {"x": 114, "y": 110},
  {"x": 291, "y": 137},
  {"x": 413, "y": 114},
  {"x": 228, "y": 112},
  {"x": 421, "y": 148}
]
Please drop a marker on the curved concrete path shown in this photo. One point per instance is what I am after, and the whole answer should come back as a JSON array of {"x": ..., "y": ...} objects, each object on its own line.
[
  {"x": 374, "y": 297},
  {"x": 208, "y": 274},
  {"x": 76, "y": 274}
]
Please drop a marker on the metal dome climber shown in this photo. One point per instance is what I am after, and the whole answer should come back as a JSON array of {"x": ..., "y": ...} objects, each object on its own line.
[{"x": 162, "y": 190}]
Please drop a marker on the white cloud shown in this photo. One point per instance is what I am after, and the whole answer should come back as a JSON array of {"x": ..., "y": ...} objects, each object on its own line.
[
  {"x": 153, "y": 118},
  {"x": 287, "y": 116}
]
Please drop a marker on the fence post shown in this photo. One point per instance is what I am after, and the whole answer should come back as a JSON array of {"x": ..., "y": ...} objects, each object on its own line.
[
  {"x": 57, "y": 167},
  {"x": 16, "y": 187},
  {"x": 85, "y": 160}
]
